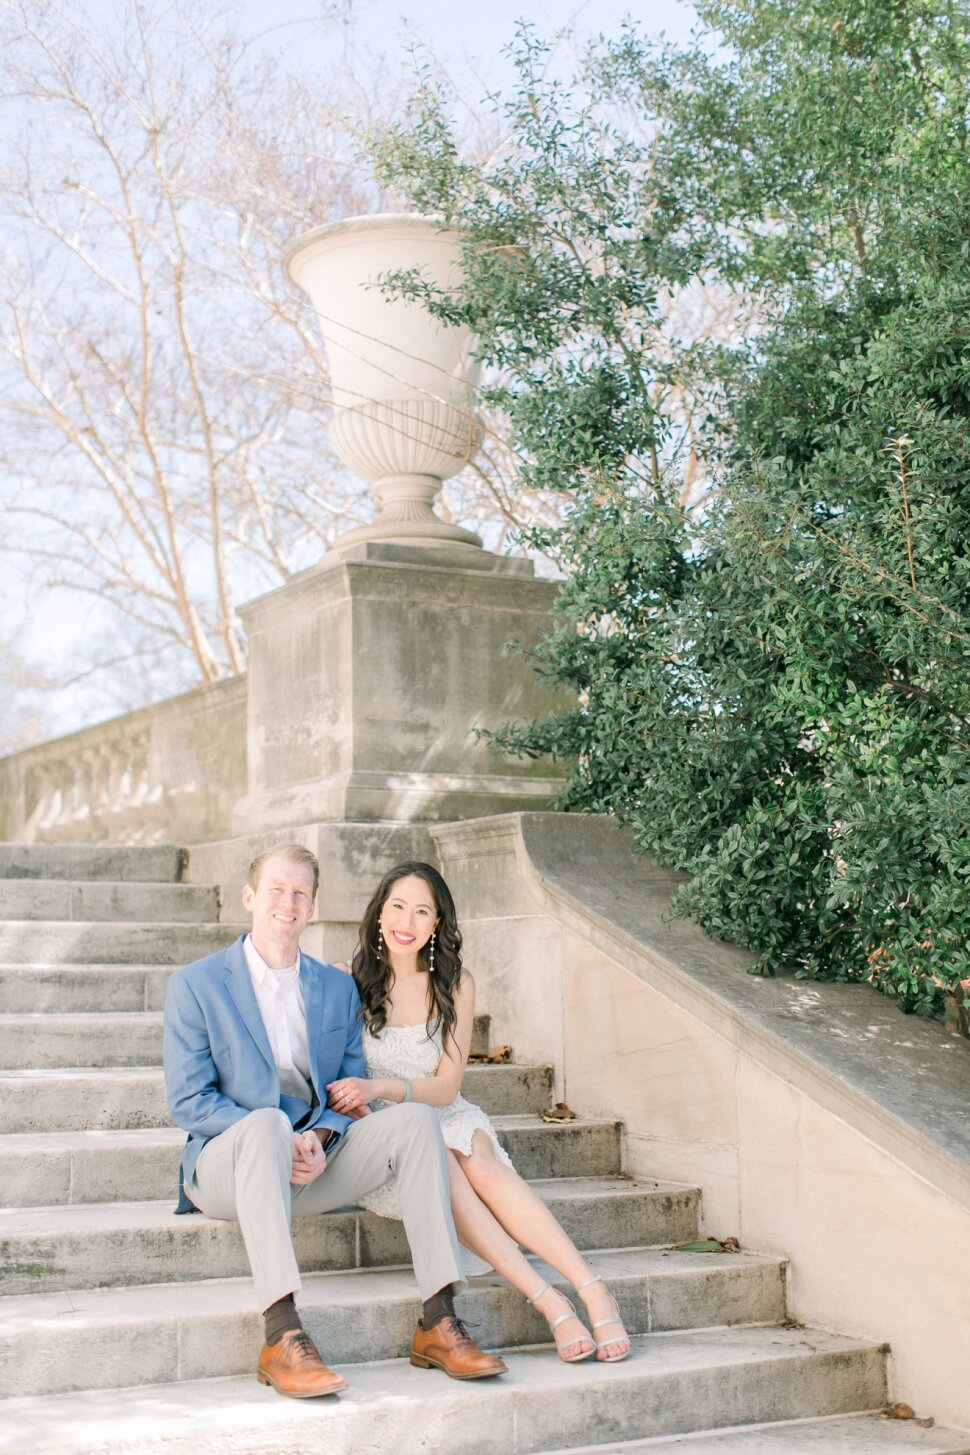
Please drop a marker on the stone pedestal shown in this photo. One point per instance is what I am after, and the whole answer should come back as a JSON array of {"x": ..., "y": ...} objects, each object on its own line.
[{"x": 368, "y": 676}]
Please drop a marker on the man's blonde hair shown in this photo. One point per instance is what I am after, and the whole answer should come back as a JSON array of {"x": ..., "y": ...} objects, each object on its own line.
[{"x": 295, "y": 853}]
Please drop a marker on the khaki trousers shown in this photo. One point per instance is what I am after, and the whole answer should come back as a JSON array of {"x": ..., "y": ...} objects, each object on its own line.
[{"x": 244, "y": 1174}]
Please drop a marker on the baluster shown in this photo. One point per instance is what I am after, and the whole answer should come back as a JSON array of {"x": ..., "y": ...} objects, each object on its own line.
[
  {"x": 139, "y": 829},
  {"x": 102, "y": 778},
  {"x": 129, "y": 816},
  {"x": 60, "y": 828},
  {"x": 45, "y": 805},
  {"x": 83, "y": 826},
  {"x": 118, "y": 790}
]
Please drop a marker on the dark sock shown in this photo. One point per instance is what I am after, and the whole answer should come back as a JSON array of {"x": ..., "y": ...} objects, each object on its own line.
[
  {"x": 281, "y": 1317},
  {"x": 440, "y": 1305}
]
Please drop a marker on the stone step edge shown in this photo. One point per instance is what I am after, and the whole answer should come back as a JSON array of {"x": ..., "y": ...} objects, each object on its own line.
[
  {"x": 83, "y": 967},
  {"x": 385, "y": 1399},
  {"x": 78, "y": 1018},
  {"x": 155, "y": 1017},
  {"x": 155, "y": 1212},
  {"x": 20, "y": 898},
  {"x": 16, "y": 858},
  {"x": 119, "y": 1073},
  {"x": 163, "y": 1136},
  {"x": 231, "y": 931},
  {"x": 212, "y": 1329},
  {"x": 782, "y": 1437},
  {"x": 34, "y": 881},
  {"x": 60, "y": 1168},
  {"x": 350, "y": 1288}
]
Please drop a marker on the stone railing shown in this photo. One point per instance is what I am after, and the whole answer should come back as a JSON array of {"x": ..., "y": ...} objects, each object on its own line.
[
  {"x": 167, "y": 773},
  {"x": 819, "y": 1122}
]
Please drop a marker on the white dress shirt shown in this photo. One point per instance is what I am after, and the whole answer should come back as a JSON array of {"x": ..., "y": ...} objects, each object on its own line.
[{"x": 279, "y": 996}]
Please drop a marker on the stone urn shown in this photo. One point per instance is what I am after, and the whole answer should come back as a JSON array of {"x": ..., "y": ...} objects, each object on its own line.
[{"x": 402, "y": 382}]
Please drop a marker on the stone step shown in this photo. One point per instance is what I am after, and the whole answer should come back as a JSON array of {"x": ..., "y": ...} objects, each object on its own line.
[
  {"x": 51, "y": 1168},
  {"x": 159, "y": 864},
  {"x": 46, "y": 1040},
  {"x": 49, "y": 942},
  {"x": 859, "y": 1434},
  {"x": 86, "y": 989},
  {"x": 107, "y": 1245},
  {"x": 99, "y": 1099},
  {"x": 72, "y": 989},
  {"x": 672, "y": 1383},
  {"x": 65, "y": 899},
  {"x": 164, "y": 1332}
]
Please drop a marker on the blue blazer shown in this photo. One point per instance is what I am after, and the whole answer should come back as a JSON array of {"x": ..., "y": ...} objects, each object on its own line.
[{"x": 218, "y": 1062}]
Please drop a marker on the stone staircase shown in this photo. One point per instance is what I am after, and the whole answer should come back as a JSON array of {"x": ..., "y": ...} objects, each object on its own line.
[{"x": 126, "y": 1329}]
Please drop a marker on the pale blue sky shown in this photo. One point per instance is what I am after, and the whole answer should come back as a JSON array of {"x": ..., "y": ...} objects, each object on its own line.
[{"x": 468, "y": 35}]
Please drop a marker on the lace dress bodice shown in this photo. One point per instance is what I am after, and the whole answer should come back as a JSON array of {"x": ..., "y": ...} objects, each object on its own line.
[{"x": 402, "y": 1051}]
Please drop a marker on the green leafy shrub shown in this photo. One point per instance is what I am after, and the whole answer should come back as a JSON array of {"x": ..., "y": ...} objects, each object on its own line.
[{"x": 773, "y": 692}]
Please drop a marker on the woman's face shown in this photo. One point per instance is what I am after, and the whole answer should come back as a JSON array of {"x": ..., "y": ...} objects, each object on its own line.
[{"x": 408, "y": 916}]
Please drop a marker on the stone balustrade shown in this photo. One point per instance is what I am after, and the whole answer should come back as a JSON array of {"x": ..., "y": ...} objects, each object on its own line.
[
  {"x": 816, "y": 1119},
  {"x": 166, "y": 773}
]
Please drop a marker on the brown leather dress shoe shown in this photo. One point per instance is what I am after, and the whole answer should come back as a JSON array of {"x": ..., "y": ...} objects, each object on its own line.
[
  {"x": 449, "y": 1346},
  {"x": 294, "y": 1368}
]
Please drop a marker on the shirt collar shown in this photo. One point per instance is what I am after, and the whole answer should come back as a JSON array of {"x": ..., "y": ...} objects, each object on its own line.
[{"x": 264, "y": 974}]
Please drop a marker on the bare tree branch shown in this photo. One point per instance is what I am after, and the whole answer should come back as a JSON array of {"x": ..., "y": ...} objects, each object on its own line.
[{"x": 162, "y": 386}]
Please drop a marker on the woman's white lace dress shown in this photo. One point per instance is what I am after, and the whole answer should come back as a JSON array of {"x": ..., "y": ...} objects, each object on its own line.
[{"x": 412, "y": 1052}]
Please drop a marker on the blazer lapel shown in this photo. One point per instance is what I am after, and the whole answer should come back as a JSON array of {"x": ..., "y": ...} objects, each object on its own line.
[
  {"x": 240, "y": 987},
  {"x": 312, "y": 987}
]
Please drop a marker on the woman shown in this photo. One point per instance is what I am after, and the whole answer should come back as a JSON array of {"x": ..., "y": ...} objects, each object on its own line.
[{"x": 418, "y": 1007}]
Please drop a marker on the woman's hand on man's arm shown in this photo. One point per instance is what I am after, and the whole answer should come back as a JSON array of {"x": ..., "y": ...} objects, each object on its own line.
[{"x": 351, "y": 1095}]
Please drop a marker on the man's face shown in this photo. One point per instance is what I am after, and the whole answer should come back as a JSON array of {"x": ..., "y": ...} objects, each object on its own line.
[{"x": 281, "y": 904}]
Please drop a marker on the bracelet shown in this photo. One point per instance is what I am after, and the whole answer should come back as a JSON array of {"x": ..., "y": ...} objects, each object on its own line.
[{"x": 408, "y": 1089}]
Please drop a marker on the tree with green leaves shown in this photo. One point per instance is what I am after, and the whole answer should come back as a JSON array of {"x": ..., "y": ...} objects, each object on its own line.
[{"x": 773, "y": 691}]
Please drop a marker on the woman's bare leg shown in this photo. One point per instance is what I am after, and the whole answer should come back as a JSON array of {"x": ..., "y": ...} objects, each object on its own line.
[
  {"x": 479, "y": 1231},
  {"x": 524, "y": 1217}
]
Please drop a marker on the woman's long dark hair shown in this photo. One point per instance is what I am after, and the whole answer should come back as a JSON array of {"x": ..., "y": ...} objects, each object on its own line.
[{"x": 373, "y": 972}]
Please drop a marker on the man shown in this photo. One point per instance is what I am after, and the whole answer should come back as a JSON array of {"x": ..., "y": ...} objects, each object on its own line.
[{"x": 254, "y": 1034}]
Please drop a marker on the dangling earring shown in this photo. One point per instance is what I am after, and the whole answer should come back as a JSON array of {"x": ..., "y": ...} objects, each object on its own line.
[
  {"x": 431, "y": 964},
  {"x": 380, "y": 942}
]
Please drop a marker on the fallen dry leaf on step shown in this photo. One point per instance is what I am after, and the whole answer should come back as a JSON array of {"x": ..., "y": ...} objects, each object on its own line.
[
  {"x": 898, "y": 1411},
  {"x": 558, "y": 1113},
  {"x": 925, "y": 1422},
  {"x": 494, "y": 1056},
  {"x": 707, "y": 1245}
]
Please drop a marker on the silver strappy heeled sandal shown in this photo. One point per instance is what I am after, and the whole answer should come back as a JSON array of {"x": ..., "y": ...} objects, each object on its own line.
[
  {"x": 555, "y": 1323},
  {"x": 601, "y": 1324}
]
